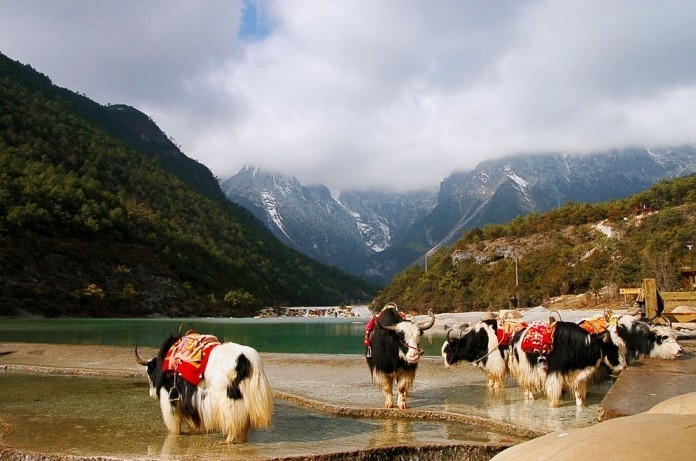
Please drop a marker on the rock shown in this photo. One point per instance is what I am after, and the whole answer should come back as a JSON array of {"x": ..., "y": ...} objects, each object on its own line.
[
  {"x": 680, "y": 405},
  {"x": 666, "y": 431}
]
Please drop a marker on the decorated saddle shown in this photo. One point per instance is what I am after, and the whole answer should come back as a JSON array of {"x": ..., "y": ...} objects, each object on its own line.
[
  {"x": 599, "y": 323},
  {"x": 188, "y": 356},
  {"x": 538, "y": 339},
  {"x": 506, "y": 329}
]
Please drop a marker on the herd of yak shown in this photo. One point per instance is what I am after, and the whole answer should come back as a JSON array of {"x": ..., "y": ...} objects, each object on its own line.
[{"x": 213, "y": 386}]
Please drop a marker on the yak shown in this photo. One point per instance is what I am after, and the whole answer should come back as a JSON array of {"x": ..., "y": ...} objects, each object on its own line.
[
  {"x": 229, "y": 393},
  {"x": 480, "y": 345},
  {"x": 636, "y": 338},
  {"x": 568, "y": 356},
  {"x": 393, "y": 353}
]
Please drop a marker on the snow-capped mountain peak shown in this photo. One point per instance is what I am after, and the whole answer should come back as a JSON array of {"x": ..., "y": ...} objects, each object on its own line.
[{"x": 378, "y": 234}]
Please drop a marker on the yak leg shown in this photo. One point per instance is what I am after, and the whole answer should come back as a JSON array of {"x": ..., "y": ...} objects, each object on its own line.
[
  {"x": 388, "y": 389},
  {"x": 170, "y": 415},
  {"x": 554, "y": 389},
  {"x": 580, "y": 393},
  {"x": 386, "y": 383},
  {"x": 403, "y": 393},
  {"x": 239, "y": 437},
  {"x": 232, "y": 417},
  {"x": 580, "y": 385},
  {"x": 404, "y": 382}
]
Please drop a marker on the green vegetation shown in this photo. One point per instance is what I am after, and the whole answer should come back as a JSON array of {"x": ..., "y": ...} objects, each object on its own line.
[
  {"x": 540, "y": 256},
  {"x": 100, "y": 214}
]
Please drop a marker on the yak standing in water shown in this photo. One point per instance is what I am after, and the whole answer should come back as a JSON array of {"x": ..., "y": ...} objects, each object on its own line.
[
  {"x": 485, "y": 345},
  {"x": 546, "y": 357},
  {"x": 210, "y": 386},
  {"x": 393, "y": 352}
]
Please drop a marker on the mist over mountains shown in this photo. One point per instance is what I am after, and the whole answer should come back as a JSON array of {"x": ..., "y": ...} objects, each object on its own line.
[{"x": 378, "y": 234}]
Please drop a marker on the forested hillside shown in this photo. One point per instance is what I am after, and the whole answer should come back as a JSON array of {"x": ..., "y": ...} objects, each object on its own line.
[
  {"x": 101, "y": 215},
  {"x": 576, "y": 249}
]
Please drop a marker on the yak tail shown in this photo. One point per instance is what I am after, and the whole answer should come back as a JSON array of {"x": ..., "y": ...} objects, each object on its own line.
[{"x": 258, "y": 398}]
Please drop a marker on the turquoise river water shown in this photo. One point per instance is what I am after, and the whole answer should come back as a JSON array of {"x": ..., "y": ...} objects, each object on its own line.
[{"x": 290, "y": 335}]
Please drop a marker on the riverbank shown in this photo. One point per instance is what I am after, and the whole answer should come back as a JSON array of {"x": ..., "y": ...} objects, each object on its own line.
[{"x": 341, "y": 385}]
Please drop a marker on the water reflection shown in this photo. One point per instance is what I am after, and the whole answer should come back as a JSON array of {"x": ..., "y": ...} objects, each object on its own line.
[
  {"x": 291, "y": 335},
  {"x": 510, "y": 405},
  {"x": 98, "y": 417}
]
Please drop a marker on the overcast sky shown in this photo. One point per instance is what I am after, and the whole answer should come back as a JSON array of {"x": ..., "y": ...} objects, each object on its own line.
[{"x": 374, "y": 93}]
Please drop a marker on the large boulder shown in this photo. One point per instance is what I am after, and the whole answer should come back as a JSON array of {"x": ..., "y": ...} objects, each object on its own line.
[
  {"x": 679, "y": 405},
  {"x": 666, "y": 431}
]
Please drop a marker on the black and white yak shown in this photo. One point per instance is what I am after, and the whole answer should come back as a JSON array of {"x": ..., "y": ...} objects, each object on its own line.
[
  {"x": 481, "y": 345},
  {"x": 567, "y": 358},
  {"x": 636, "y": 339},
  {"x": 232, "y": 393},
  {"x": 393, "y": 353}
]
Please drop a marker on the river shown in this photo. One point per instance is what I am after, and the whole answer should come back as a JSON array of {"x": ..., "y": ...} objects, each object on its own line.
[{"x": 295, "y": 335}]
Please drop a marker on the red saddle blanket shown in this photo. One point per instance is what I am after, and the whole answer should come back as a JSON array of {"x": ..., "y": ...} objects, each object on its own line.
[
  {"x": 538, "y": 339},
  {"x": 506, "y": 329},
  {"x": 188, "y": 356}
]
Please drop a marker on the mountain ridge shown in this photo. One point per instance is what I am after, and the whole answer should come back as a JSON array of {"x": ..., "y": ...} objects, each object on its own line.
[
  {"x": 101, "y": 214},
  {"x": 494, "y": 192}
]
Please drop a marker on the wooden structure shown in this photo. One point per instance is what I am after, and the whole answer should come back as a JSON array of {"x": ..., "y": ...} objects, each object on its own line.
[
  {"x": 660, "y": 304},
  {"x": 679, "y": 298}
]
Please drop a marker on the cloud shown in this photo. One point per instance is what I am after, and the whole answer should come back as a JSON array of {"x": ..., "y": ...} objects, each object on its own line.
[{"x": 364, "y": 94}]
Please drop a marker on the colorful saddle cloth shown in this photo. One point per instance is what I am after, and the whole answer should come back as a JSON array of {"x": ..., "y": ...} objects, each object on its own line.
[
  {"x": 538, "y": 339},
  {"x": 188, "y": 356},
  {"x": 506, "y": 329},
  {"x": 599, "y": 323}
]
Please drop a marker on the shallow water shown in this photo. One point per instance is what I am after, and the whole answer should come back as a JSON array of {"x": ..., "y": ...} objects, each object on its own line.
[{"x": 96, "y": 416}]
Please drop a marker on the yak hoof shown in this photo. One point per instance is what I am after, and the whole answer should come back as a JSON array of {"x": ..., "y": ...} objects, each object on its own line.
[
  {"x": 233, "y": 440},
  {"x": 388, "y": 405},
  {"x": 401, "y": 405}
]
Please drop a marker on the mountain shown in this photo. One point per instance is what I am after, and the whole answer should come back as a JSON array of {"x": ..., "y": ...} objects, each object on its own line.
[
  {"x": 580, "y": 251},
  {"x": 101, "y": 214},
  {"x": 378, "y": 234},
  {"x": 497, "y": 191},
  {"x": 343, "y": 231}
]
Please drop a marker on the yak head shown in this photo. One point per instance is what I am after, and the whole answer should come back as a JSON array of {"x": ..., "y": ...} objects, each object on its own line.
[
  {"x": 153, "y": 367},
  {"x": 472, "y": 344},
  {"x": 641, "y": 338},
  {"x": 408, "y": 333},
  {"x": 665, "y": 345}
]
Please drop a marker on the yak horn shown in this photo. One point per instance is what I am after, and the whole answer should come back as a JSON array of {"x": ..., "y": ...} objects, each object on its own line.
[
  {"x": 464, "y": 328},
  {"x": 139, "y": 359},
  {"x": 429, "y": 324}
]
